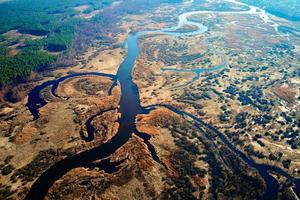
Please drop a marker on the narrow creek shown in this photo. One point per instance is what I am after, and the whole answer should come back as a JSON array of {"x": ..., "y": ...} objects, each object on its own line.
[
  {"x": 129, "y": 108},
  {"x": 264, "y": 170}
]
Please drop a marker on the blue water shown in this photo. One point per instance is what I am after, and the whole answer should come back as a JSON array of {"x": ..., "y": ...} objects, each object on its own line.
[{"x": 129, "y": 108}]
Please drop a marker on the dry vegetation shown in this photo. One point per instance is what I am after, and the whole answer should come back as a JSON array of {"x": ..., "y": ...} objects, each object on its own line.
[{"x": 35, "y": 145}]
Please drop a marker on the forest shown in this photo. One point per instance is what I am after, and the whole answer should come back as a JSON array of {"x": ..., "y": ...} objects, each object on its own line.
[
  {"x": 51, "y": 21},
  {"x": 58, "y": 28},
  {"x": 12, "y": 67}
]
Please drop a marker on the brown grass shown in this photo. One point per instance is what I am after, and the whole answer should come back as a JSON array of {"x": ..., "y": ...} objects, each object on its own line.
[{"x": 285, "y": 93}]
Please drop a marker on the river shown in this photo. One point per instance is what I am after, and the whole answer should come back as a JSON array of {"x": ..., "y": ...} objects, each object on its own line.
[{"x": 129, "y": 108}]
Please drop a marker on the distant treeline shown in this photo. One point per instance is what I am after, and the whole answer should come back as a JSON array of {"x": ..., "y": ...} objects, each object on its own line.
[{"x": 289, "y": 9}]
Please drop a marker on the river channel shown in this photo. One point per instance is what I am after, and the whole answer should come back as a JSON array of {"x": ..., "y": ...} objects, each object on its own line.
[{"x": 129, "y": 108}]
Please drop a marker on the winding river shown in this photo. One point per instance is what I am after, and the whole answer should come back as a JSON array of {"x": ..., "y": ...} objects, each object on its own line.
[
  {"x": 129, "y": 108},
  {"x": 35, "y": 101}
]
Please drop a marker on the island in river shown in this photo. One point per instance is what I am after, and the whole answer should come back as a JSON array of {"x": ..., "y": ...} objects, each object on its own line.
[{"x": 175, "y": 100}]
